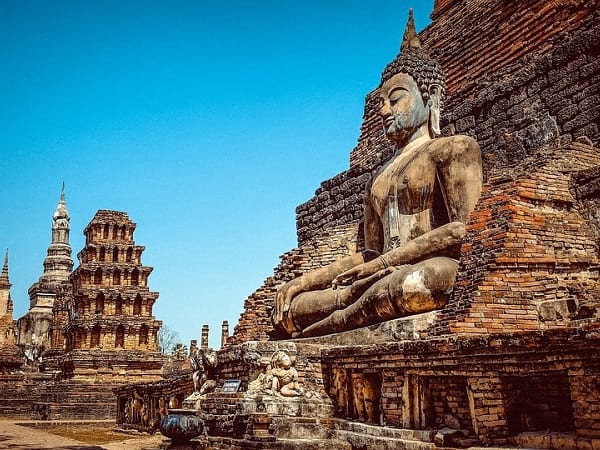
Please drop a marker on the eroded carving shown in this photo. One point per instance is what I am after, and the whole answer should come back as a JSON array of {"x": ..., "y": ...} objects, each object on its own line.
[
  {"x": 204, "y": 362},
  {"x": 366, "y": 396},
  {"x": 280, "y": 379},
  {"x": 339, "y": 391}
]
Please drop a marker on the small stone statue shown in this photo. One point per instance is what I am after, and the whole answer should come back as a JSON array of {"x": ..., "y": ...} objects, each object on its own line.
[
  {"x": 416, "y": 209},
  {"x": 141, "y": 408},
  {"x": 365, "y": 397},
  {"x": 281, "y": 379},
  {"x": 284, "y": 375},
  {"x": 127, "y": 418},
  {"x": 339, "y": 391},
  {"x": 204, "y": 362}
]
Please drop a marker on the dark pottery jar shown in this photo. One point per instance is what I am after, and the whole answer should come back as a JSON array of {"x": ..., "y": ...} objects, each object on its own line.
[{"x": 181, "y": 425}]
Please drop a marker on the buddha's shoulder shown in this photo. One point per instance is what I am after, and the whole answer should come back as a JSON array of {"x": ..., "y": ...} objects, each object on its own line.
[{"x": 454, "y": 146}]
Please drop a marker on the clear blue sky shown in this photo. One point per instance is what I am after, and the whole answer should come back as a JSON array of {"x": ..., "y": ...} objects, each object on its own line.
[{"x": 208, "y": 122}]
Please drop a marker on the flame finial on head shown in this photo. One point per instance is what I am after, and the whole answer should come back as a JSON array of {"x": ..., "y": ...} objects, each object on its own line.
[
  {"x": 410, "y": 38},
  {"x": 414, "y": 61}
]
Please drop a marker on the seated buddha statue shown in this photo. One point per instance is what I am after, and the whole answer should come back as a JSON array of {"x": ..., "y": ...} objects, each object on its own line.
[{"x": 415, "y": 214}]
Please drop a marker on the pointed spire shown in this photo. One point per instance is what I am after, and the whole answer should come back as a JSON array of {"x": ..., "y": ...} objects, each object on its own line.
[
  {"x": 410, "y": 39},
  {"x": 61, "y": 208},
  {"x": 4, "y": 276},
  {"x": 58, "y": 265}
]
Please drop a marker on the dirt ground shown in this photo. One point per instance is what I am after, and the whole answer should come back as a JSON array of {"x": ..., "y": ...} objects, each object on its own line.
[{"x": 17, "y": 435}]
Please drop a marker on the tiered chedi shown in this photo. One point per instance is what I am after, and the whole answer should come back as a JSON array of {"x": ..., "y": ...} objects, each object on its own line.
[{"x": 110, "y": 322}]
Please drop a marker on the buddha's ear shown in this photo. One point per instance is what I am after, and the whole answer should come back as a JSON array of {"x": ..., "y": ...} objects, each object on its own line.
[{"x": 434, "y": 109}]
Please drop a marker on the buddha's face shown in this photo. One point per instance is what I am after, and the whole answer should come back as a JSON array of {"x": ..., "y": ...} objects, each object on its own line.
[{"x": 401, "y": 108}]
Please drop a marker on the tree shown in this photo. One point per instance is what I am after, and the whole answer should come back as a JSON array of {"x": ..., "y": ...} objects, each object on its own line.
[
  {"x": 180, "y": 351},
  {"x": 167, "y": 340}
]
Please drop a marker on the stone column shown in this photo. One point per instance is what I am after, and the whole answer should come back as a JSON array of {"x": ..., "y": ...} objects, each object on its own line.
[
  {"x": 224, "y": 333},
  {"x": 204, "y": 337},
  {"x": 412, "y": 412}
]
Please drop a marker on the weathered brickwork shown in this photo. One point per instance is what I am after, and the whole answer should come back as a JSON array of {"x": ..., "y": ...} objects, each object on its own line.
[
  {"x": 531, "y": 102},
  {"x": 75, "y": 399},
  {"x": 9, "y": 358},
  {"x": 38, "y": 395},
  {"x": 112, "y": 305},
  {"x": 111, "y": 332},
  {"x": 481, "y": 36},
  {"x": 7, "y": 326},
  {"x": 140, "y": 406},
  {"x": 530, "y": 260},
  {"x": 19, "y": 393}
]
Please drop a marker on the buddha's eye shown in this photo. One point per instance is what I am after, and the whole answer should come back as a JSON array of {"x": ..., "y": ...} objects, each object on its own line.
[{"x": 397, "y": 94}]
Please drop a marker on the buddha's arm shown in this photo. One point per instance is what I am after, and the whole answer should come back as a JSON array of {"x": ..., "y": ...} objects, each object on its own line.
[
  {"x": 428, "y": 244},
  {"x": 373, "y": 229},
  {"x": 459, "y": 173}
]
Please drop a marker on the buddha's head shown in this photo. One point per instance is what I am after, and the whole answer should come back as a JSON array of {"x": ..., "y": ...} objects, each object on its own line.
[{"x": 411, "y": 91}]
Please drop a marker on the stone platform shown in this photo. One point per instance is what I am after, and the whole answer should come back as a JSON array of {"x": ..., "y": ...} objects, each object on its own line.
[{"x": 453, "y": 391}]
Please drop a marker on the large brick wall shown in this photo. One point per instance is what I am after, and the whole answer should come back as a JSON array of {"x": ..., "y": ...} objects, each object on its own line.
[
  {"x": 520, "y": 76},
  {"x": 475, "y": 38},
  {"x": 529, "y": 260}
]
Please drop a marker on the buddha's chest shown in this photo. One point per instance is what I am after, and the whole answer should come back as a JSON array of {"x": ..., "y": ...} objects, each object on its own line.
[{"x": 408, "y": 182}]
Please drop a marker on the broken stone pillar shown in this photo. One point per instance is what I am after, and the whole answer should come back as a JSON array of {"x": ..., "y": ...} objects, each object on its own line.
[
  {"x": 224, "y": 333},
  {"x": 204, "y": 337}
]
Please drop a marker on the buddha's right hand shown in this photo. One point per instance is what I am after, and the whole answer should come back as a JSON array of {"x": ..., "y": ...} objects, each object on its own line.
[
  {"x": 283, "y": 300},
  {"x": 359, "y": 272}
]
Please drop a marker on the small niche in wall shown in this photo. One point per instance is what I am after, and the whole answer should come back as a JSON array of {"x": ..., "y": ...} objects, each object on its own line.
[{"x": 538, "y": 403}]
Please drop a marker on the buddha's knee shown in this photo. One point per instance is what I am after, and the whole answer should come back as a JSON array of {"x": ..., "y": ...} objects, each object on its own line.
[
  {"x": 424, "y": 288},
  {"x": 416, "y": 295}
]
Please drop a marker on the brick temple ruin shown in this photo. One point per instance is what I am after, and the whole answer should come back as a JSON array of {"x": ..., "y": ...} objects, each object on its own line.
[
  {"x": 111, "y": 327},
  {"x": 87, "y": 331},
  {"x": 513, "y": 358},
  {"x": 8, "y": 350}
]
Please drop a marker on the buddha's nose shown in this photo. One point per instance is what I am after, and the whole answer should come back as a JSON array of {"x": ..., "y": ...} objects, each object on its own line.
[{"x": 385, "y": 110}]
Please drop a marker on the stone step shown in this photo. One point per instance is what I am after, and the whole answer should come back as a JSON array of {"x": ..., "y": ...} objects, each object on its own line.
[{"x": 225, "y": 443}]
